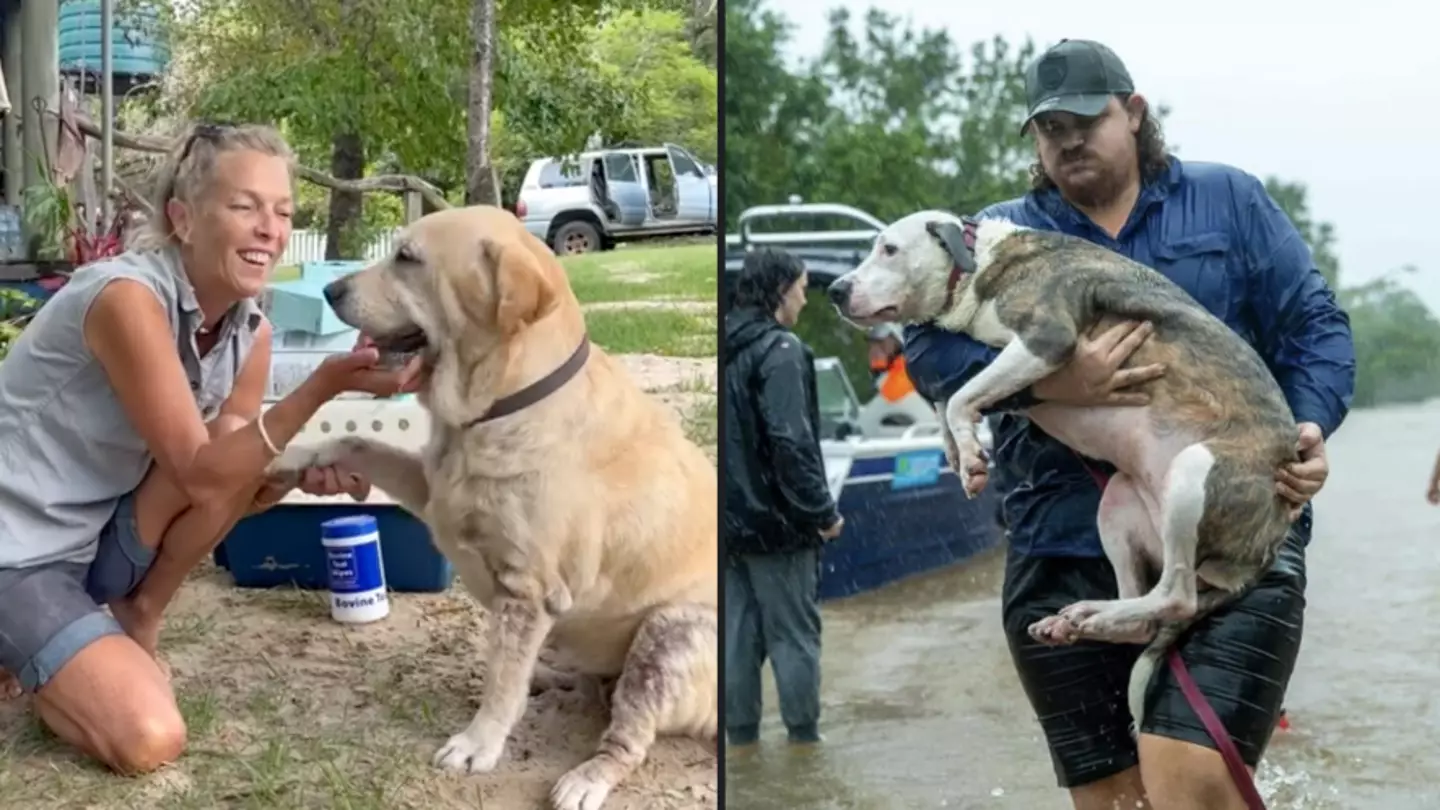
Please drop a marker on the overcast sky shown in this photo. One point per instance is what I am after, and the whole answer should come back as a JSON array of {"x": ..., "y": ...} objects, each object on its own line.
[{"x": 1346, "y": 100}]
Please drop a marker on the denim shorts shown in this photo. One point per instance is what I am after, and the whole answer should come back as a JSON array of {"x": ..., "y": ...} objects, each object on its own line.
[{"x": 50, "y": 612}]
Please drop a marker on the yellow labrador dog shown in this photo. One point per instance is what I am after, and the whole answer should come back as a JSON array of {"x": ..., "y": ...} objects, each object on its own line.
[{"x": 571, "y": 503}]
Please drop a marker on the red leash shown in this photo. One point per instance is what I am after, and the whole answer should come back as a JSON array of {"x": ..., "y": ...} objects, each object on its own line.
[
  {"x": 1202, "y": 708},
  {"x": 1216, "y": 729}
]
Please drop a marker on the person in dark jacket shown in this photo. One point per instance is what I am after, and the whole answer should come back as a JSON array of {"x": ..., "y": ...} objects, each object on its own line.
[
  {"x": 778, "y": 507},
  {"x": 1104, "y": 175}
]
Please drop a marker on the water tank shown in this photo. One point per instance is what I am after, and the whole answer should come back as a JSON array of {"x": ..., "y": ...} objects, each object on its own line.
[{"x": 138, "y": 54}]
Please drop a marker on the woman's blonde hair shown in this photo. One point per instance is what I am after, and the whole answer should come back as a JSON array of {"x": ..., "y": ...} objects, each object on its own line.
[{"x": 186, "y": 172}]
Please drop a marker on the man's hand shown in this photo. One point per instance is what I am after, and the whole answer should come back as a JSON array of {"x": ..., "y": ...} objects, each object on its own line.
[
  {"x": 834, "y": 530},
  {"x": 1094, "y": 375},
  {"x": 1433, "y": 494},
  {"x": 1299, "y": 481}
]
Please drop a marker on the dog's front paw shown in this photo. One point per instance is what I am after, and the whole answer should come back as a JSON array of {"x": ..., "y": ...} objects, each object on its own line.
[
  {"x": 295, "y": 460},
  {"x": 1054, "y": 631},
  {"x": 1081, "y": 612},
  {"x": 952, "y": 453},
  {"x": 583, "y": 788},
  {"x": 471, "y": 751},
  {"x": 300, "y": 457},
  {"x": 972, "y": 466}
]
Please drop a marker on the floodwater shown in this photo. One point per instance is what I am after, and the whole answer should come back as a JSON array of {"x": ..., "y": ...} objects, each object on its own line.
[{"x": 922, "y": 708}]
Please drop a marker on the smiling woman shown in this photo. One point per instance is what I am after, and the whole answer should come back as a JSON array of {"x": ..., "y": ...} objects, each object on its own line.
[{"x": 131, "y": 440}]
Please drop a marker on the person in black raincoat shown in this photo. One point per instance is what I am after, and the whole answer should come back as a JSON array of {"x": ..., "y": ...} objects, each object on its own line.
[{"x": 778, "y": 507}]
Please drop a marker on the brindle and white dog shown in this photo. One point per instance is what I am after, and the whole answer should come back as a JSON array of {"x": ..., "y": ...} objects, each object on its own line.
[{"x": 1193, "y": 497}]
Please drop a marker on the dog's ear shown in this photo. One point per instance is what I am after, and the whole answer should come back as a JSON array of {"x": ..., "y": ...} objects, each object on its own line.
[
  {"x": 951, "y": 236},
  {"x": 522, "y": 292}
]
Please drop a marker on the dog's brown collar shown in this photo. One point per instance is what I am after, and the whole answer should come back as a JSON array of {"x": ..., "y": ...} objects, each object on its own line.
[
  {"x": 964, "y": 264},
  {"x": 541, "y": 388}
]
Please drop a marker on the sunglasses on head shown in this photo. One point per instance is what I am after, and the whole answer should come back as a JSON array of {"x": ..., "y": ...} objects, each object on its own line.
[{"x": 210, "y": 131}]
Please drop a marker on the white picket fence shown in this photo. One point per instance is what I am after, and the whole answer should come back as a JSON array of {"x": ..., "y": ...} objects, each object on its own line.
[{"x": 309, "y": 246}]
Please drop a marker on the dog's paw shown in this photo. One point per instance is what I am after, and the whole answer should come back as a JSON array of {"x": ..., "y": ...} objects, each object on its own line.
[
  {"x": 974, "y": 481},
  {"x": 974, "y": 472},
  {"x": 298, "y": 458},
  {"x": 583, "y": 788},
  {"x": 295, "y": 460},
  {"x": 952, "y": 451},
  {"x": 1054, "y": 631},
  {"x": 1081, "y": 612},
  {"x": 969, "y": 462},
  {"x": 471, "y": 752}
]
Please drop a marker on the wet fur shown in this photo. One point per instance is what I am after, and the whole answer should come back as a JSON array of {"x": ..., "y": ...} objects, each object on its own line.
[
  {"x": 586, "y": 521},
  {"x": 1195, "y": 466}
]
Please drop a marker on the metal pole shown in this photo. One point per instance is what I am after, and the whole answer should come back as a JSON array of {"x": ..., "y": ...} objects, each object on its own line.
[
  {"x": 40, "y": 79},
  {"x": 14, "y": 149},
  {"x": 107, "y": 114}
]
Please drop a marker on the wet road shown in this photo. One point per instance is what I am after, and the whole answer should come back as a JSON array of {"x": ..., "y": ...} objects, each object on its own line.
[{"x": 922, "y": 708}]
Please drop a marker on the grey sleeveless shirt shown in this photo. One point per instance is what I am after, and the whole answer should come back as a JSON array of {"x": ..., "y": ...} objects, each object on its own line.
[{"x": 68, "y": 452}]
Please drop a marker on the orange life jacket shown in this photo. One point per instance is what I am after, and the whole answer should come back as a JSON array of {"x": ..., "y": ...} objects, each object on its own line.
[{"x": 896, "y": 384}]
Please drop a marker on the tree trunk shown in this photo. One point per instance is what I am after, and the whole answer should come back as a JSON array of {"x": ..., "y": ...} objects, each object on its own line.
[
  {"x": 700, "y": 29},
  {"x": 482, "y": 185},
  {"x": 347, "y": 161}
]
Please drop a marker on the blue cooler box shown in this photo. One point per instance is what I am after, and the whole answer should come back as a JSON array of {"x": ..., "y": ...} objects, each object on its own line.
[{"x": 281, "y": 546}]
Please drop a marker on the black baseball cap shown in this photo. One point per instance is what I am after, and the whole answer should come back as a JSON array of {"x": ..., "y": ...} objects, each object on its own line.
[{"x": 1076, "y": 76}]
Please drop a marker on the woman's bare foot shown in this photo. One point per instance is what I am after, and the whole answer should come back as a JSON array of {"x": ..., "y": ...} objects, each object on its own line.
[{"x": 9, "y": 686}]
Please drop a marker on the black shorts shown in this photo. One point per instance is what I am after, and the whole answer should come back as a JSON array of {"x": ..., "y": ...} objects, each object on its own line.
[{"x": 1241, "y": 657}]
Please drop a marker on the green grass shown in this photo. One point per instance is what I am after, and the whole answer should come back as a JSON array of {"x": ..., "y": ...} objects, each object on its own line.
[
  {"x": 681, "y": 273},
  {"x": 287, "y": 711},
  {"x": 639, "y": 273},
  {"x": 666, "y": 273},
  {"x": 702, "y": 423},
  {"x": 668, "y": 332}
]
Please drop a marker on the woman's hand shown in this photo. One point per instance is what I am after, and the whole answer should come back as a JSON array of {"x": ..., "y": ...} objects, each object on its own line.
[
  {"x": 360, "y": 371},
  {"x": 334, "y": 480},
  {"x": 270, "y": 493},
  {"x": 1094, "y": 375}
]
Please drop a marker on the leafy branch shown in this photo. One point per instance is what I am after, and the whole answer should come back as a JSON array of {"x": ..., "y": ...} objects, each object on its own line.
[{"x": 380, "y": 182}]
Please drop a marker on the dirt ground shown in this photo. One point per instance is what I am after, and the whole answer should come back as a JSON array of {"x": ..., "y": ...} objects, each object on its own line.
[{"x": 289, "y": 709}]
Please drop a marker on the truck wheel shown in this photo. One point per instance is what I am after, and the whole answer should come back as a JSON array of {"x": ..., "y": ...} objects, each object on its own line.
[{"x": 574, "y": 237}]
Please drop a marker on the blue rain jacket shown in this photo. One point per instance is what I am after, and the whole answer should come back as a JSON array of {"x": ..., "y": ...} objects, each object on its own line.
[{"x": 1216, "y": 232}]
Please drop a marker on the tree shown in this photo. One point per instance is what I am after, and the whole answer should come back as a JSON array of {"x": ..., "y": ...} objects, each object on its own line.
[
  {"x": 890, "y": 122},
  {"x": 352, "y": 82},
  {"x": 481, "y": 181},
  {"x": 1397, "y": 338},
  {"x": 895, "y": 119},
  {"x": 1397, "y": 341},
  {"x": 648, "y": 51},
  {"x": 365, "y": 83},
  {"x": 769, "y": 112}
]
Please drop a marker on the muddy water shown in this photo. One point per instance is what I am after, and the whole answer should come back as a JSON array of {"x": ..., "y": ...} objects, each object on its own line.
[{"x": 922, "y": 708}]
